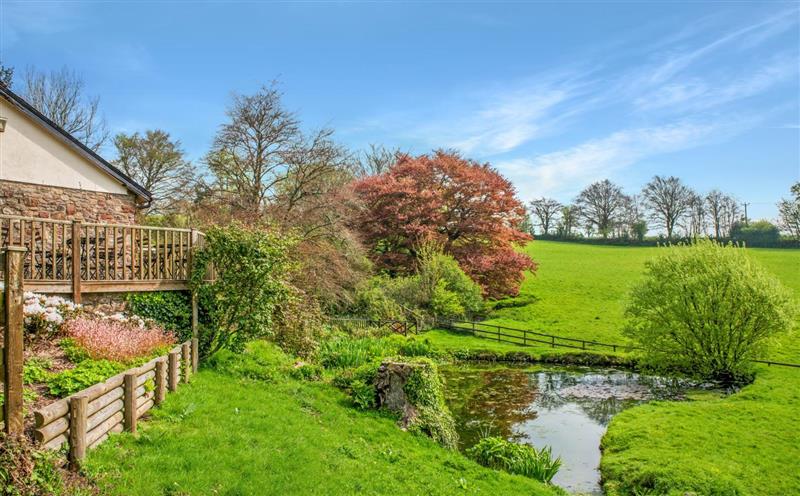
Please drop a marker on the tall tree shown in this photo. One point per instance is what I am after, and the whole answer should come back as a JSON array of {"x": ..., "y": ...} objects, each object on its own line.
[
  {"x": 251, "y": 152},
  {"x": 789, "y": 212},
  {"x": 568, "y": 219},
  {"x": 60, "y": 96},
  {"x": 715, "y": 206},
  {"x": 545, "y": 210},
  {"x": 600, "y": 204},
  {"x": 467, "y": 207},
  {"x": 668, "y": 200},
  {"x": 376, "y": 160},
  {"x": 156, "y": 162},
  {"x": 696, "y": 219},
  {"x": 731, "y": 214}
]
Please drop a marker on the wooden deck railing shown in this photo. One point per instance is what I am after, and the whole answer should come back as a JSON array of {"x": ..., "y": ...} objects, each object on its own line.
[{"x": 76, "y": 257}]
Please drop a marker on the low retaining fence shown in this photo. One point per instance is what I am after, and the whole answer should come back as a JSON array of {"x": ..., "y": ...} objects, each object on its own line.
[
  {"x": 524, "y": 337},
  {"x": 86, "y": 419}
]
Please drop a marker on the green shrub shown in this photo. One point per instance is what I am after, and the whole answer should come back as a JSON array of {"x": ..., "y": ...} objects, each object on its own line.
[
  {"x": 73, "y": 351},
  {"x": 307, "y": 372},
  {"x": 250, "y": 268},
  {"x": 436, "y": 423},
  {"x": 35, "y": 370},
  {"x": 363, "y": 394},
  {"x": 497, "y": 453},
  {"x": 172, "y": 310},
  {"x": 85, "y": 374},
  {"x": 707, "y": 309},
  {"x": 758, "y": 233}
]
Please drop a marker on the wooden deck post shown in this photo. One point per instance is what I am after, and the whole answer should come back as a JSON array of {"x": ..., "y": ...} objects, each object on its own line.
[
  {"x": 193, "y": 241},
  {"x": 161, "y": 382},
  {"x": 195, "y": 354},
  {"x": 172, "y": 371},
  {"x": 76, "y": 261},
  {"x": 187, "y": 364},
  {"x": 12, "y": 340},
  {"x": 129, "y": 402},
  {"x": 78, "y": 409}
]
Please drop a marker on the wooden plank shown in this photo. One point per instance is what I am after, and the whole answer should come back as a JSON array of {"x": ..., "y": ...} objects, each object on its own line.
[
  {"x": 77, "y": 429},
  {"x": 12, "y": 341},
  {"x": 129, "y": 397},
  {"x": 76, "y": 262},
  {"x": 104, "y": 427},
  {"x": 116, "y": 429},
  {"x": 51, "y": 430},
  {"x": 105, "y": 413},
  {"x": 195, "y": 355}
]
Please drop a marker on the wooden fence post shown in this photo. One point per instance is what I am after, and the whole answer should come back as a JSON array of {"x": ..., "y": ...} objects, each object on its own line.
[
  {"x": 187, "y": 365},
  {"x": 161, "y": 382},
  {"x": 12, "y": 340},
  {"x": 78, "y": 408},
  {"x": 129, "y": 402},
  {"x": 76, "y": 261},
  {"x": 172, "y": 371},
  {"x": 195, "y": 354}
]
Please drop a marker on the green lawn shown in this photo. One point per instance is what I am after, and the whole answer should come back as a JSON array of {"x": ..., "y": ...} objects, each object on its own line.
[
  {"x": 226, "y": 435},
  {"x": 746, "y": 443}
]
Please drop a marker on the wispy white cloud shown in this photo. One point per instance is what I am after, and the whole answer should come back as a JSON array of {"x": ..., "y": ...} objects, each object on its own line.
[
  {"x": 563, "y": 172},
  {"x": 697, "y": 93},
  {"x": 18, "y": 19}
]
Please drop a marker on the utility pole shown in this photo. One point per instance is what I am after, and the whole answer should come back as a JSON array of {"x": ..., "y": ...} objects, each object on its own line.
[{"x": 745, "y": 212}]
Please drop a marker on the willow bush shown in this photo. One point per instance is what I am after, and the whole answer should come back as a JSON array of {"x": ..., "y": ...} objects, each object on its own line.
[{"x": 707, "y": 309}]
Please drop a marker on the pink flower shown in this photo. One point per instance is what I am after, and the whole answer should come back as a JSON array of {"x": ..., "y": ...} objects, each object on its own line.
[{"x": 117, "y": 340}]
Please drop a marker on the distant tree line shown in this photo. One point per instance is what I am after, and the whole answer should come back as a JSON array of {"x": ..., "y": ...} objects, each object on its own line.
[{"x": 602, "y": 212}]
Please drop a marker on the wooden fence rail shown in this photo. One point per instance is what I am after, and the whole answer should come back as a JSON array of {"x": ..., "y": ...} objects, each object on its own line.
[
  {"x": 76, "y": 257},
  {"x": 86, "y": 419}
]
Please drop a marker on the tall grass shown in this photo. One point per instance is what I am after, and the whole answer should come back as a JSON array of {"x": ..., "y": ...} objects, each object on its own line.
[
  {"x": 497, "y": 453},
  {"x": 343, "y": 353}
]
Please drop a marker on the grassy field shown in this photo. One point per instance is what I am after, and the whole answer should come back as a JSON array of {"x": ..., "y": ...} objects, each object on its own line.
[
  {"x": 745, "y": 443},
  {"x": 223, "y": 434}
]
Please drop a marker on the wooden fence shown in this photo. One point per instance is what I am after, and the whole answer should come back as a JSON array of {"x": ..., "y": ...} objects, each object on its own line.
[
  {"x": 397, "y": 326},
  {"x": 523, "y": 337},
  {"x": 85, "y": 419},
  {"x": 76, "y": 257}
]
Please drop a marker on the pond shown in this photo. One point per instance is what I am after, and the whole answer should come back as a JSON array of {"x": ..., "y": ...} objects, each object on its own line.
[{"x": 565, "y": 408}]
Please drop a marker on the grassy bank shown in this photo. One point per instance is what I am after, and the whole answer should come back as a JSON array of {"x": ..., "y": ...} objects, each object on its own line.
[
  {"x": 741, "y": 444},
  {"x": 228, "y": 434}
]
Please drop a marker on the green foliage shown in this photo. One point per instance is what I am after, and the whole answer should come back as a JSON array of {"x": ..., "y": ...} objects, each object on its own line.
[
  {"x": 259, "y": 362},
  {"x": 74, "y": 352},
  {"x": 343, "y": 352},
  {"x": 250, "y": 267},
  {"x": 439, "y": 289},
  {"x": 497, "y": 453},
  {"x": 35, "y": 370},
  {"x": 707, "y": 309},
  {"x": 299, "y": 324},
  {"x": 307, "y": 372},
  {"x": 758, "y": 233},
  {"x": 363, "y": 394},
  {"x": 172, "y": 310},
  {"x": 284, "y": 425},
  {"x": 28, "y": 471},
  {"x": 85, "y": 374},
  {"x": 423, "y": 389},
  {"x": 414, "y": 347}
]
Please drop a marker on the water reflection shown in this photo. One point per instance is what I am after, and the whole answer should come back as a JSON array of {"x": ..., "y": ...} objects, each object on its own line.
[{"x": 565, "y": 408}]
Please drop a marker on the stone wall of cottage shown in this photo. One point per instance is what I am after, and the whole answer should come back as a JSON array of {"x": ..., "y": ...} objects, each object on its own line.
[{"x": 50, "y": 202}]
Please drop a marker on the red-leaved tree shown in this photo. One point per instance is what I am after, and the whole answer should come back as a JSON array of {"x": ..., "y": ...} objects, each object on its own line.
[{"x": 467, "y": 207}]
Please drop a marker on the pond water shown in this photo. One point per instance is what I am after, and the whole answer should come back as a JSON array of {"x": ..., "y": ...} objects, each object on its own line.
[{"x": 565, "y": 408}]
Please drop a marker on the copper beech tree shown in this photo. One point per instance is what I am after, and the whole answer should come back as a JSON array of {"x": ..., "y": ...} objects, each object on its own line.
[{"x": 467, "y": 207}]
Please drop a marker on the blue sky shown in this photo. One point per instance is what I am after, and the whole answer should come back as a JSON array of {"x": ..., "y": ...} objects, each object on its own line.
[{"x": 555, "y": 95}]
